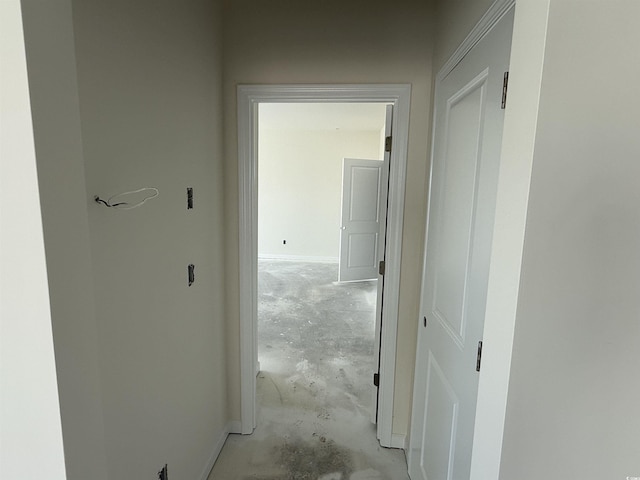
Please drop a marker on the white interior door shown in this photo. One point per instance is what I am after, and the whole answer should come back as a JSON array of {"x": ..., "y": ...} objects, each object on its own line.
[
  {"x": 362, "y": 186},
  {"x": 464, "y": 174}
]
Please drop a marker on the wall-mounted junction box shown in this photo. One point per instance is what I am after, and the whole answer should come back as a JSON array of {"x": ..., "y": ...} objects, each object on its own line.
[
  {"x": 189, "y": 198},
  {"x": 190, "y": 272}
]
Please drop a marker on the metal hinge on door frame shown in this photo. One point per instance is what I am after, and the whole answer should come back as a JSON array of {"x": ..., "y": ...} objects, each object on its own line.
[
  {"x": 505, "y": 85},
  {"x": 376, "y": 379},
  {"x": 479, "y": 356},
  {"x": 381, "y": 267},
  {"x": 387, "y": 144}
]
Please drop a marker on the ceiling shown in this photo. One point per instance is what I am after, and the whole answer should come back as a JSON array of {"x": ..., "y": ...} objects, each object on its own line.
[{"x": 322, "y": 116}]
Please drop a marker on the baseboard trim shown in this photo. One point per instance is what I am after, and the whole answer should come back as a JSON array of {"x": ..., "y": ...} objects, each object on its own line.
[
  {"x": 235, "y": 426},
  {"x": 217, "y": 448},
  {"x": 399, "y": 441},
  {"x": 343, "y": 282},
  {"x": 298, "y": 258}
]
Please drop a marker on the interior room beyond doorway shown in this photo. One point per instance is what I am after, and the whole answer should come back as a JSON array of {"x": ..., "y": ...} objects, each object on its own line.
[
  {"x": 302, "y": 152},
  {"x": 302, "y": 147}
]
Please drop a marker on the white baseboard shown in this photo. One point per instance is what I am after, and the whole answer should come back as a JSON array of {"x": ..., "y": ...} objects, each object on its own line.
[
  {"x": 344, "y": 282},
  {"x": 399, "y": 441},
  {"x": 298, "y": 258},
  {"x": 235, "y": 426},
  {"x": 217, "y": 448}
]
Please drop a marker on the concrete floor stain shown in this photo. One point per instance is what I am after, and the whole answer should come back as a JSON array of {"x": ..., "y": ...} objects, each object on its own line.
[{"x": 311, "y": 461}]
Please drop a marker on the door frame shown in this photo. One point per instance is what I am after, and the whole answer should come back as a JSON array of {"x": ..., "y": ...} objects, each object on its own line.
[{"x": 248, "y": 98}]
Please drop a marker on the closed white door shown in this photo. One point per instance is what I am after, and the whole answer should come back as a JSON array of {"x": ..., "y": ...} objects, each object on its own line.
[
  {"x": 362, "y": 185},
  {"x": 464, "y": 174}
]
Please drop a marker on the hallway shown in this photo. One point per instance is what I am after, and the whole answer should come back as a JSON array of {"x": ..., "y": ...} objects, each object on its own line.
[{"x": 314, "y": 388}]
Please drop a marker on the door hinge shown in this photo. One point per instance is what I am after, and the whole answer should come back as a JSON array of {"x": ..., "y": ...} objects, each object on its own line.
[
  {"x": 381, "y": 267},
  {"x": 387, "y": 144},
  {"x": 376, "y": 379},
  {"x": 505, "y": 85},
  {"x": 479, "y": 357}
]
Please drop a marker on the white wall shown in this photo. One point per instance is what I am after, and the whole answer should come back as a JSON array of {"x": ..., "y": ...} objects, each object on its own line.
[
  {"x": 456, "y": 18},
  {"x": 574, "y": 388},
  {"x": 287, "y": 41},
  {"x": 300, "y": 188},
  {"x": 30, "y": 426},
  {"x": 149, "y": 78},
  {"x": 141, "y": 368},
  {"x": 56, "y": 123}
]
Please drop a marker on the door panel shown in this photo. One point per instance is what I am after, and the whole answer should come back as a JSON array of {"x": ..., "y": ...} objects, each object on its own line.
[
  {"x": 365, "y": 187},
  {"x": 464, "y": 173},
  {"x": 458, "y": 180},
  {"x": 362, "y": 249},
  {"x": 441, "y": 415}
]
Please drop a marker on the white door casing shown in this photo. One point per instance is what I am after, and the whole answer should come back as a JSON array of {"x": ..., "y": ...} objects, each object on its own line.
[
  {"x": 362, "y": 186},
  {"x": 249, "y": 98},
  {"x": 468, "y": 122}
]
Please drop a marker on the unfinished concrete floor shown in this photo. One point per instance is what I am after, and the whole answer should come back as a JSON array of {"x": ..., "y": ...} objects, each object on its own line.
[{"x": 314, "y": 387}]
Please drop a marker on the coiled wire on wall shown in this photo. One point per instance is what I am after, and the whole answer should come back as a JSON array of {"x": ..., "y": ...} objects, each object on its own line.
[{"x": 123, "y": 205}]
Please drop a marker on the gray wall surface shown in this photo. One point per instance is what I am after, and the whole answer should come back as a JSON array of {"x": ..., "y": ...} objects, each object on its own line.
[
  {"x": 53, "y": 89},
  {"x": 575, "y": 389},
  {"x": 140, "y": 356},
  {"x": 149, "y": 76},
  {"x": 335, "y": 42}
]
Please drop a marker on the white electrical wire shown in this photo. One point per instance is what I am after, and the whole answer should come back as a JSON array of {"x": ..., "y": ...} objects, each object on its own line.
[{"x": 125, "y": 205}]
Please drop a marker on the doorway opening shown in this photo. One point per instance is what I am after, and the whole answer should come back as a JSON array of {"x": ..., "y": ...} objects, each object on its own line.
[
  {"x": 250, "y": 99},
  {"x": 322, "y": 196}
]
